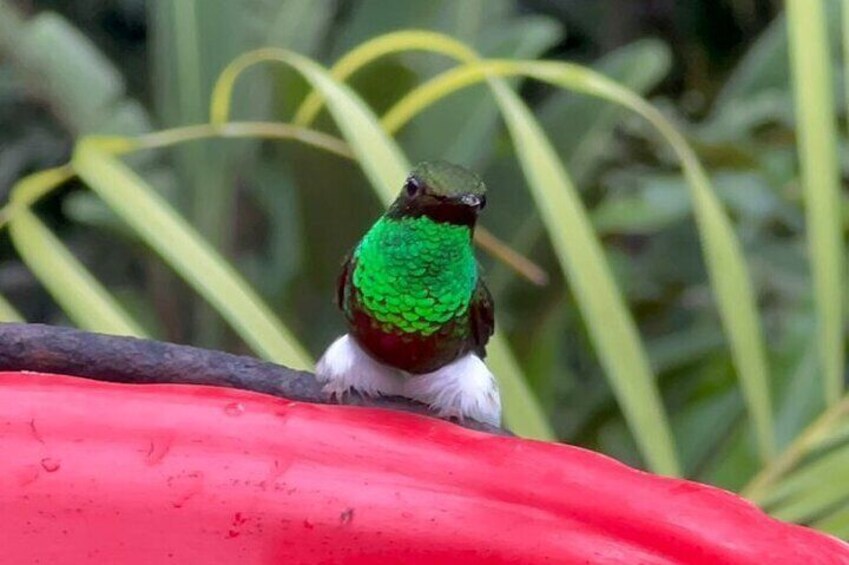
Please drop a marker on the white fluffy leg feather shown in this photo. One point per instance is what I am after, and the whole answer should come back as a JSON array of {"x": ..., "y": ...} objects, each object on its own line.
[
  {"x": 345, "y": 367},
  {"x": 462, "y": 389}
]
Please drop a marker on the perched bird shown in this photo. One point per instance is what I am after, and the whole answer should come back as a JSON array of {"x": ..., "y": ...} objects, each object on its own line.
[{"x": 417, "y": 310}]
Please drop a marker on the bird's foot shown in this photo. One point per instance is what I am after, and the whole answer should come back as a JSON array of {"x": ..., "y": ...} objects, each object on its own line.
[
  {"x": 346, "y": 368},
  {"x": 463, "y": 389}
]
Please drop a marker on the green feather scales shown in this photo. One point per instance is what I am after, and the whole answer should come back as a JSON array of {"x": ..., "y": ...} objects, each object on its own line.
[{"x": 414, "y": 274}]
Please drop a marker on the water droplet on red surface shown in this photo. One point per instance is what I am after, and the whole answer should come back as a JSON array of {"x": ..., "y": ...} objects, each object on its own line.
[
  {"x": 234, "y": 409},
  {"x": 50, "y": 465}
]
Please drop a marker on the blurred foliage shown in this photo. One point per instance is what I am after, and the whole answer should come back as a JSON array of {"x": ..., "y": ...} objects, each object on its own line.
[{"x": 284, "y": 214}]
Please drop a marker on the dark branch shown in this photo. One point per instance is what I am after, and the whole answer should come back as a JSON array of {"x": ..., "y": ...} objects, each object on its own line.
[{"x": 49, "y": 349}]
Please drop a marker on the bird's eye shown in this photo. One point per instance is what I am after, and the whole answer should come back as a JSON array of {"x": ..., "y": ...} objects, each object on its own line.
[{"x": 413, "y": 186}]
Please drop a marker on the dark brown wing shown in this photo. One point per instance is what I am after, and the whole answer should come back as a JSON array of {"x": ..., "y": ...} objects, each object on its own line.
[
  {"x": 482, "y": 317},
  {"x": 342, "y": 281}
]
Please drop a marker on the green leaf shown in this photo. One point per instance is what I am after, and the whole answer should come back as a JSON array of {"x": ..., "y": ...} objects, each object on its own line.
[
  {"x": 8, "y": 313},
  {"x": 763, "y": 67},
  {"x": 585, "y": 143},
  {"x": 300, "y": 24},
  {"x": 726, "y": 264},
  {"x": 180, "y": 246},
  {"x": 836, "y": 523},
  {"x": 815, "y": 488},
  {"x": 813, "y": 87},
  {"x": 472, "y": 116},
  {"x": 522, "y": 411},
  {"x": 76, "y": 291},
  {"x": 582, "y": 258},
  {"x": 802, "y": 476},
  {"x": 582, "y": 145},
  {"x": 845, "y": 34},
  {"x": 82, "y": 83}
]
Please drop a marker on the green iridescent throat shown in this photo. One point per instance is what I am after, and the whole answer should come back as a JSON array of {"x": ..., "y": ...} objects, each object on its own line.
[{"x": 414, "y": 274}]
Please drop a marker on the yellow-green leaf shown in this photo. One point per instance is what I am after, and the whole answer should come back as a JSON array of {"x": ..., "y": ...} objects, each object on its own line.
[
  {"x": 141, "y": 207},
  {"x": 76, "y": 291},
  {"x": 8, "y": 313},
  {"x": 582, "y": 258},
  {"x": 818, "y": 147}
]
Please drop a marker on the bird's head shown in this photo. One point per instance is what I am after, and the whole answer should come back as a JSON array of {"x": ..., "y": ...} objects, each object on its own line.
[{"x": 443, "y": 192}]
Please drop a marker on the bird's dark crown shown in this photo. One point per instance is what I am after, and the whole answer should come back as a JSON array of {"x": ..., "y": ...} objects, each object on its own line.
[{"x": 443, "y": 192}]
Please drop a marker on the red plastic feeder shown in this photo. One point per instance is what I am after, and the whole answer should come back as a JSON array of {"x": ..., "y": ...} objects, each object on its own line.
[{"x": 102, "y": 473}]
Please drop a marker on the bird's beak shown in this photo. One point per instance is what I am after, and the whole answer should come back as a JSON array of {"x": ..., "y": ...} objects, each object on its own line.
[{"x": 470, "y": 200}]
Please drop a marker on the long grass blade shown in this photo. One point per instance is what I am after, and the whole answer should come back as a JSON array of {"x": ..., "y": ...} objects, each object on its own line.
[
  {"x": 726, "y": 264},
  {"x": 817, "y": 125},
  {"x": 380, "y": 158},
  {"x": 582, "y": 258},
  {"x": 387, "y": 44},
  {"x": 76, "y": 291},
  {"x": 179, "y": 244},
  {"x": 845, "y": 12},
  {"x": 386, "y": 167},
  {"x": 724, "y": 258}
]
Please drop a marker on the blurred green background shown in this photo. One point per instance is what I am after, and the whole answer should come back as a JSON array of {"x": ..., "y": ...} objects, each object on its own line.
[{"x": 284, "y": 214}]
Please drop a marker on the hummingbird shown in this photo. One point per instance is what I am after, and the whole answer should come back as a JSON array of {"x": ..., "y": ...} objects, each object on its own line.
[{"x": 417, "y": 311}]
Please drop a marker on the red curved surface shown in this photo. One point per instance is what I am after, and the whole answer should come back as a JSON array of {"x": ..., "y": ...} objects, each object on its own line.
[{"x": 93, "y": 472}]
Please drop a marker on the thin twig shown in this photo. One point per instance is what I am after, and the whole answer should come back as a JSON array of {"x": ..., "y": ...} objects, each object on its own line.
[{"x": 510, "y": 257}]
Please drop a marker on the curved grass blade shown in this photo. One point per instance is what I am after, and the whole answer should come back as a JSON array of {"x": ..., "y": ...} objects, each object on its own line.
[
  {"x": 30, "y": 189},
  {"x": 8, "y": 313},
  {"x": 392, "y": 42},
  {"x": 76, "y": 291},
  {"x": 381, "y": 159},
  {"x": 431, "y": 42},
  {"x": 386, "y": 167},
  {"x": 726, "y": 266},
  {"x": 181, "y": 247},
  {"x": 813, "y": 85},
  {"x": 581, "y": 256},
  {"x": 362, "y": 55}
]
